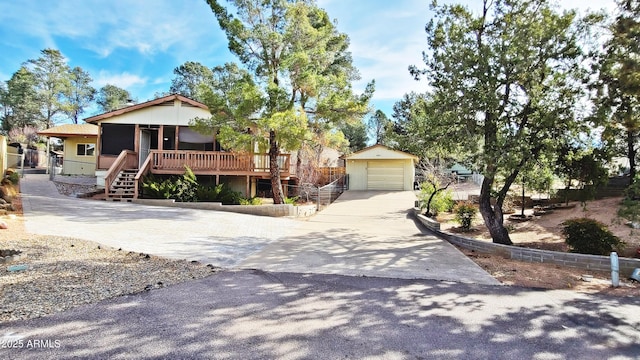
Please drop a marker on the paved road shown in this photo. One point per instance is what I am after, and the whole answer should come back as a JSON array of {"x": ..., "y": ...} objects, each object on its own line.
[
  {"x": 257, "y": 315},
  {"x": 363, "y": 233}
]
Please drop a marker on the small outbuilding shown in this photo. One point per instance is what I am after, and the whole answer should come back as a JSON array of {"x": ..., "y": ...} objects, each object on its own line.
[
  {"x": 378, "y": 167},
  {"x": 79, "y": 147}
]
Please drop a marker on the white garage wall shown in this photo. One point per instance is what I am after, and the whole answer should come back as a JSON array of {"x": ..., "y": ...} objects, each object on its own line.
[{"x": 357, "y": 170}]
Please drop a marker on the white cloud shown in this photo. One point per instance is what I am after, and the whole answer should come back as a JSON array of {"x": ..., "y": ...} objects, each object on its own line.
[
  {"x": 385, "y": 40},
  {"x": 145, "y": 26},
  {"x": 123, "y": 80}
]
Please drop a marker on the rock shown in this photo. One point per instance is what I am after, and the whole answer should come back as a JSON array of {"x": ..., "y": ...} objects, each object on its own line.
[
  {"x": 3, "y": 225},
  {"x": 14, "y": 268},
  {"x": 633, "y": 225}
]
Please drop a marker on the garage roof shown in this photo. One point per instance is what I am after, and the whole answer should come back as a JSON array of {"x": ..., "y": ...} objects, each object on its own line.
[{"x": 380, "y": 152}]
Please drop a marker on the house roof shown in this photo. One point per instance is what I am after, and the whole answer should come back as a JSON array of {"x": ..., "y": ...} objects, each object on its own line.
[
  {"x": 380, "y": 152},
  {"x": 143, "y": 105},
  {"x": 70, "y": 130}
]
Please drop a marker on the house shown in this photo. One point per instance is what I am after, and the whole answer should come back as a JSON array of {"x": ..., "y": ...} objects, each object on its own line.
[
  {"x": 79, "y": 147},
  {"x": 155, "y": 137},
  {"x": 378, "y": 167}
]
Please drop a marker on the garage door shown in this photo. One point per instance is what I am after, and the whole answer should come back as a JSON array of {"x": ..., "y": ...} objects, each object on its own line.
[{"x": 385, "y": 175}]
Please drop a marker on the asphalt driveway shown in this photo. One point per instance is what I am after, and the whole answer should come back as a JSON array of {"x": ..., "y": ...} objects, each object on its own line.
[{"x": 361, "y": 234}]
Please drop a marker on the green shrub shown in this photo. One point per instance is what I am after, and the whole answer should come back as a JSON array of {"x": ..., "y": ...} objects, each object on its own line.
[
  {"x": 229, "y": 197},
  {"x": 588, "y": 236},
  {"x": 209, "y": 193},
  {"x": 13, "y": 176},
  {"x": 465, "y": 213},
  {"x": 291, "y": 200},
  {"x": 251, "y": 201},
  {"x": 434, "y": 200},
  {"x": 186, "y": 188},
  {"x": 154, "y": 188}
]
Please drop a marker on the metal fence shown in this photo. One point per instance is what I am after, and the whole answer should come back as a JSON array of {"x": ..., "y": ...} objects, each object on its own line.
[
  {"x": 322, "y": 196},
  {"x": 72, "y": 167}
]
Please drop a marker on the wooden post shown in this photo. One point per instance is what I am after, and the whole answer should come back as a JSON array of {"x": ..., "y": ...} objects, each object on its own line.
[
  {"x": 177, "y": 141},
  {"x": 136, "y": 139},
  {"x": 161, "y": 137},
  {"x": 98, "y": 146}
]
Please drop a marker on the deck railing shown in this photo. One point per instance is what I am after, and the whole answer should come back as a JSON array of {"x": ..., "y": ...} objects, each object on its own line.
[
  {"x": 214, "y": 162},
  {"x": 126, "y": 160}
]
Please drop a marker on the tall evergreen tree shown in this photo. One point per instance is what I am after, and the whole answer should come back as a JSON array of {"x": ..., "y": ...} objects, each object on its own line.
[
  {"x": 190, "y": 77},
  {"x": 80, "y": 93},
  {"x": 301, "y": 73},
  {"x": 618, "y": 103},
  {"x": 20, "y": 100},
  {"x": 52, "y": 81},
  {"x": 379, "y": 126},
  {"x": 506, "y": 82},
  {"x": 111, "y": 97}
]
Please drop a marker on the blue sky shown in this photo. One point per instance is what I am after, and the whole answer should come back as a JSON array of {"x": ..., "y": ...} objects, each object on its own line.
[{"x": 136, "y": 44}]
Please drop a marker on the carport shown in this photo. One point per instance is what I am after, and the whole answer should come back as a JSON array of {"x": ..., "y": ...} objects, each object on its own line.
[{"x": 380, "y": 168}]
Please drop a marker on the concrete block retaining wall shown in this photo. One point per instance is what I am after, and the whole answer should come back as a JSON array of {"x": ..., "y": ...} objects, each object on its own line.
[
  {"x": 261, "y": 210},
  {"x": 582, "y": 261}
]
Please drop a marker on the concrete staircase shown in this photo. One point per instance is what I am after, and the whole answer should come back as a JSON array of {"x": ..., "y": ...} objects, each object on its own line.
[{"x": 123, "y": 188}]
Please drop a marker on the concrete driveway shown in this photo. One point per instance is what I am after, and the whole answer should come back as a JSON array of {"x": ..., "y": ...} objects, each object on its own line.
[
  {"x": 367, "y": 233},
  {"x": 361, "y": 234},
  {"x": 211, "y": 237}
]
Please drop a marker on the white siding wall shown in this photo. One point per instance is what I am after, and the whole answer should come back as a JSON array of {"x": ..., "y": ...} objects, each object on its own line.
[{"x": 178, "y": 114}]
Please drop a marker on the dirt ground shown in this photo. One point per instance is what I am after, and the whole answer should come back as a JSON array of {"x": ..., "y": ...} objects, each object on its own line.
[{"x": 544, "y": 232}]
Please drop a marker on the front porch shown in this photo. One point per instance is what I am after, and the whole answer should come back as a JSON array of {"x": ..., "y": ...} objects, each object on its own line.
[{"x": 124, "y": 174}]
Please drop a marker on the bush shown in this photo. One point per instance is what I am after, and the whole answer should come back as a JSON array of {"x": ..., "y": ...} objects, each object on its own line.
[
  {"x": 187, "y": 189},
  {"x": 434, "y": 200},
  {"x": 251, "y": 201},
  {"x": 13, "y": 176},
  {"x": 209, "y": 193},
  {"x": 291, "y": 200},
  {"x": 154, "y": 188},
  {"x": 465, "y": 213},
  {"x": 588, "y": 236}
]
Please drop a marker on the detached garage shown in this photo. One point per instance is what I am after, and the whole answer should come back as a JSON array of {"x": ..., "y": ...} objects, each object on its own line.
[{"x": 380, "y": 168}]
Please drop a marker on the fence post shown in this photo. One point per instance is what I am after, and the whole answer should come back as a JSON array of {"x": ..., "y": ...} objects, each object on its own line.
[
  {"x": 51, "y": 168},
  {"x": 318, "y": 192},
  {"x": 22, "y": 163}
]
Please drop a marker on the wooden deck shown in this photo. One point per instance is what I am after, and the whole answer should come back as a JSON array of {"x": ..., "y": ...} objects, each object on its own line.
[
  {"x": 214, "y": 163},
  {"x": 173, "y": 162}
]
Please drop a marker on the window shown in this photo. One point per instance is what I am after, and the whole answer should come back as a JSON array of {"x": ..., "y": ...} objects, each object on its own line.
[{"x": 85, "y": 149}]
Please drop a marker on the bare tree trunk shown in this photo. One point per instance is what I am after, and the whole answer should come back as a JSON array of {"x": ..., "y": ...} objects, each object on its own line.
[
  {"x": 274, "y": 169},
  {"x": 632, "y": 152},
  {"x": 492, "y": 215}
]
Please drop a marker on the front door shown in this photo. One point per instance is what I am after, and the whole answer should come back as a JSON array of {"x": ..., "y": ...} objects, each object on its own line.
[{"x": 145, "y": 146}]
